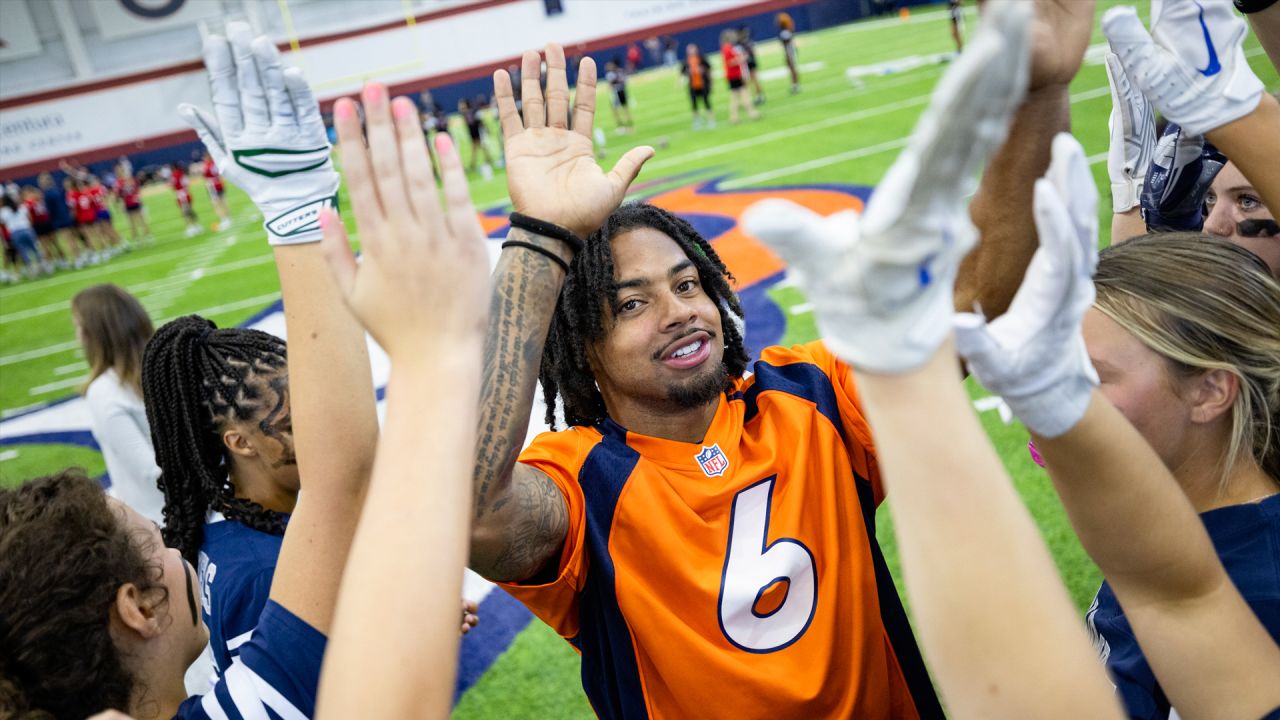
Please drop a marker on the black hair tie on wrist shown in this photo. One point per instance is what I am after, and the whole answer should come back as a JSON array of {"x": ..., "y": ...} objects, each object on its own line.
[
  {"x": 1253, "y": 6},
  {"x": 540, "y": 250},
  {"x": 546, "y": 229}
]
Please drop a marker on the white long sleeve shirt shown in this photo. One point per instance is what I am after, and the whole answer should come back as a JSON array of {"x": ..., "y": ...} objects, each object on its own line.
[{"x": 119, "y": 424}]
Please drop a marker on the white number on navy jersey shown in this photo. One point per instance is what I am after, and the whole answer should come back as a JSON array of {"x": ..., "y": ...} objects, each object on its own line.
[{"x": 754, "y": 566}]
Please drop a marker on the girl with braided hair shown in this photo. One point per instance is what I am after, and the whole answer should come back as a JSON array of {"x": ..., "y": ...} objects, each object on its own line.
[{"x": 217, "y": 401}]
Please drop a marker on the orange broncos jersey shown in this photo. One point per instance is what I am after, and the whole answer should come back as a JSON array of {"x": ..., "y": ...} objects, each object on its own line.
[{"x": 738, "y": 577}]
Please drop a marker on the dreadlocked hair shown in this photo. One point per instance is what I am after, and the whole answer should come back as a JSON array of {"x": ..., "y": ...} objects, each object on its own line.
[
  {"x": 584, "y": 311},
  {"x": 197, "y": 379}
]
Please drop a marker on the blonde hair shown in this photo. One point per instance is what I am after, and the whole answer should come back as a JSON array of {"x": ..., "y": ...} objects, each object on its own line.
[
  {"x": 115, "y": 328},
  {"x": 1205, "y": 304}
]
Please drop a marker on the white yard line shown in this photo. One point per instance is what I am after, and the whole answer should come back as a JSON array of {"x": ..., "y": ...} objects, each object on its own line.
[
  {"x": 63, "y": 347},
  {"x": 57, "y": 385}
]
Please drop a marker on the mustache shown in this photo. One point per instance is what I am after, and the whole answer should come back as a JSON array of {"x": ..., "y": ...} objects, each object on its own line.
[{"x": 710, "y": 336}]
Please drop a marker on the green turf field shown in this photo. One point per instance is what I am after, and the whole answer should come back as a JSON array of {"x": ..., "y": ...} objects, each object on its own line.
[{"x": 832, "y": 132}]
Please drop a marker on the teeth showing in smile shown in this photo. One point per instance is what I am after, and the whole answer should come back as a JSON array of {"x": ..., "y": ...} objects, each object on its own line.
[{"x": 687, "y": 350}]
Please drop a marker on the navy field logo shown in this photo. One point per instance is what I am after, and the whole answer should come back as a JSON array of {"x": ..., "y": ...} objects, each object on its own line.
[{"x": 712, "y": 460}]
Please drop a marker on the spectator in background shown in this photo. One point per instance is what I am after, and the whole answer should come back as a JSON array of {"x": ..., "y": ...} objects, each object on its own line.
[
  {"x": 10, "y": 260},
  {"x": 787, "y": 36},
  {"x": 213, "y": 183},
  {"x": 129, "y": 190},
  {"x": 957, "y": 23},
  {"x": 81, "y": 203},
  {"x": 17, "y": 222},
  {"x": 617, "y": 80},
  {"x": 748, "y": 48},
  {"x": 113, "y": 329},
  {"x": 670, "y": 51},
  {"x": 475, "y": 129},
  {"x": 42, "y": 222},
  {"x": 97, "y": 194},
  {"x": 55, "y": 199},
  {"x": 182, "y": 193},
  {"x": 735, "y": 70},
  {"x": 634, "y": 58},
  {"x": 697, "y": 72},
  {"x": 654, "y": 47}
]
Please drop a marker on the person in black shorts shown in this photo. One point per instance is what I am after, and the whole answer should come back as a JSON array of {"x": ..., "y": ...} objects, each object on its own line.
[
  {"x": 697, "y": 73},
  {"x": 749, "y": 49},
  {"x": 475, "y": 128},
  {"x": 617, "y": 79}
]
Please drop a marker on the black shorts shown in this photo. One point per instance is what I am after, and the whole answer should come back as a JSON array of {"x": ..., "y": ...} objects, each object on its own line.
[
  {"x": 620, "y": 98},
  {"x": 704, "y": 95},
  {"x": 45, "y": 228},
  {"x": 751, "y": 64},
  {"x": 474, "y": 131},
  {"x": 735, "y": 83}
]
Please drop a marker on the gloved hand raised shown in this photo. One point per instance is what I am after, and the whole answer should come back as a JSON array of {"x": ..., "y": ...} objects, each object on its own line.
[{"x": 268, "y": 138}]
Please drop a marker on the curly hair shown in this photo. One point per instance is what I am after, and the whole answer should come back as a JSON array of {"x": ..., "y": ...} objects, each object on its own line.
[
  {"x": 64, "y": 553},
  {"x": 585, "y": 311},
  {"x": 197, "y": 380}
]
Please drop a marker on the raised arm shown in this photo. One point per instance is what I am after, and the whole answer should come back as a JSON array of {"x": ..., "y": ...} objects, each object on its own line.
[
  {"x": 1227, "y": 103},
  {"x": 882, "y": 289},
  {"x": 269, "y": 140},
  {"x": 520, "y": 517},
  {"x": 1002, "y": 206},
  {"x": 1203, "y": 642},
  {"x": 421, "y": 290}
]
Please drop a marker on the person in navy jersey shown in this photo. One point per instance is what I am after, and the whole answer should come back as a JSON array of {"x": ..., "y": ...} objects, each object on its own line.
[{"x": 101, "y": 617}]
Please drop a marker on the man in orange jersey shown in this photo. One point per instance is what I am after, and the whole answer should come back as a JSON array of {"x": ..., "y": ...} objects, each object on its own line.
[{"x": 704, "y": 530}]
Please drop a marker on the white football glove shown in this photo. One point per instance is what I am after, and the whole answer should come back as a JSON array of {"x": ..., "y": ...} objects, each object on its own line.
[
  {"x": 268, "y": 138},
  {"x": 882, "y": 284},
  {"x": 1133, "y": 137},
  {"x": 1034, "y": 356},
  {"x": 1194, "y": 71}
]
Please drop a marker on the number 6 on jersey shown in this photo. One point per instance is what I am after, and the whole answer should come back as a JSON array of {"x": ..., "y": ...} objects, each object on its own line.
[{"x": 756, "y": 573}]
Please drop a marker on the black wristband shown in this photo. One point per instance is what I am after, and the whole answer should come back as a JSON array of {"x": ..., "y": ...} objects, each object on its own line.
[
  {"x": 540, "y": 250},
  {"x": 1253, "y": 6},
  {"x": 546, "y": 229}
]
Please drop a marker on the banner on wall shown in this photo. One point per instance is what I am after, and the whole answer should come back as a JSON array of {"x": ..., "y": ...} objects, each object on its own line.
[
  {"x": 18, "y": 37},
  {"x": 125, "y": 18}
]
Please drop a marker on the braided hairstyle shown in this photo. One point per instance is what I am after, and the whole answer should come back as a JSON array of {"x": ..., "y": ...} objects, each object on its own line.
[
  {"x": 587, "y": 300},
  {"x": 197, "y": 380}
]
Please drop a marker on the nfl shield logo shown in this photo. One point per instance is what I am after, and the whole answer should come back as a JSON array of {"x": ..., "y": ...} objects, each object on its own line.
[{"x": 712, "y": 460}]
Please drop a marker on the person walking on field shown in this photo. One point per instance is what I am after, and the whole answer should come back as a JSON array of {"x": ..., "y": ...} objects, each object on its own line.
[{"x": 735, "y": 73}]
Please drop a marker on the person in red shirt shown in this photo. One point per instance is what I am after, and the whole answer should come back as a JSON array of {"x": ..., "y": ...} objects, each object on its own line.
[
  {"x": 213, "y": 183},
  {"x": 80, "y": 201},
  {"x": 102, "y": 215},
  {"x": 178, "y": 179},
  {"x": 735, "y": 69},
  {"x": 129, "y": 190}
]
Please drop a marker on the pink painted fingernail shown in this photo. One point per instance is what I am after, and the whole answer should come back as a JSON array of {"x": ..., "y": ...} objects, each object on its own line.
[
  {"x": 344, "y": 109},
  {"x": 326, "y": 219},
  {"x": 373, "y": 92},
  {"x": 401, "y": 108},
  {"x": 443, "y": 142}
]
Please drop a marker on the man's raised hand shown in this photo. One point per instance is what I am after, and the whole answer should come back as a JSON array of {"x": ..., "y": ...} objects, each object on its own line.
[
  {"x": 421, "y": 287},
  {"x": 552, "y": 174}
]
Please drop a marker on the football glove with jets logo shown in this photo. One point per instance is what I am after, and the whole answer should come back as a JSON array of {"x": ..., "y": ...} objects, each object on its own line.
[
  {"x": 268, "y": 137},
  {"x": 1191, "y": 66}
]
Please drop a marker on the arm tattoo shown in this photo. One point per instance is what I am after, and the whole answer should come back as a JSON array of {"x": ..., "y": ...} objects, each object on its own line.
[
  {"x": 526, "y": 287},
  {"x": 539, "y": 522}
]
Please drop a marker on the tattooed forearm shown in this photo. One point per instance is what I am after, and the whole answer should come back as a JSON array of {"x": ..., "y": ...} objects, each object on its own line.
[
  {"x": 539, "y": 522},
  {"x": 526, "y": 286}
]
